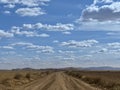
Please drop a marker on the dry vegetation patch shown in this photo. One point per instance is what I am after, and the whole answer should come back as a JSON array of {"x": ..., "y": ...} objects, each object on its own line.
[
  {"x": 107, "y": 80},
  {"x": 12, "y": 79}
]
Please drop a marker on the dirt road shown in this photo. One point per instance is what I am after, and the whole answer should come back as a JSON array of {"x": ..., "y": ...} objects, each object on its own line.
[{"x": 57, "y": 81}]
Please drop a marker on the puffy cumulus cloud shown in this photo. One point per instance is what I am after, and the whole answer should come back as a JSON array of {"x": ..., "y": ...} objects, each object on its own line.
[
  {"x": 103, "y": 1},
  {"x": 9, "y": 6},
  {"x": 19, "y": 31},
  {"x": 103, "y": 13},
  {"x": 32, "y": 3},
  {"x": 28, "y": 26},
  {"x": 32, "y": 30},
  {"x": 29, "y": 3},
  {"x": 57, "y": 27},
  {"x": 4, "y": 34},
  {"x": 85, "y": 43},
  {"x": 36, "y": 11},
  {"x": 107, "y": 14},
  {"x": 31, "y": 7},
  {"x": 33, "y": 47}
]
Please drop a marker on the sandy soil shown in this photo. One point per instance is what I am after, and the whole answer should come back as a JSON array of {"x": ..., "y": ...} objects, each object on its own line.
[{"x": 57, "y": 81}]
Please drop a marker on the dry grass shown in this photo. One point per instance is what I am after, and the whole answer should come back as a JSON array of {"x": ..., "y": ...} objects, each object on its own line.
[
  {"x": 12, "y": 79},
  {"x": 107, "y": 80}
]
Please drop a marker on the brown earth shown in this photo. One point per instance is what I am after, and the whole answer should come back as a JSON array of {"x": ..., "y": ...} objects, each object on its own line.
[{"x": 57, "y": 81}]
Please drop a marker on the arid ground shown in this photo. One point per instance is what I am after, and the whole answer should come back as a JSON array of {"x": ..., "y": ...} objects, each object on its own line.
[
  {"x": 54, "y": 80},
  {"x": 57, "y": 81}
]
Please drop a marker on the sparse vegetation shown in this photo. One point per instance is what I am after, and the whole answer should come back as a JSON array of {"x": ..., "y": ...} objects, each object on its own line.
[
  {"x": 28, "y": 76},
  {"x": 11, "y": 79},
  {"x": 107, "y": 80},
  {"x": 18, "y": 76}
]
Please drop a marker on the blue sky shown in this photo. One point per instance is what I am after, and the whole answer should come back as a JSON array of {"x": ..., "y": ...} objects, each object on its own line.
[{"x": 59, "y": 33}]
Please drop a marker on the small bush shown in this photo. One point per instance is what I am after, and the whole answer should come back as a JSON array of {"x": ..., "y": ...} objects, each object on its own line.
[
  {"x": 6, "y": 82},
  {"x": 28, "y": 76},
  {"x": 18, "y": 76}
]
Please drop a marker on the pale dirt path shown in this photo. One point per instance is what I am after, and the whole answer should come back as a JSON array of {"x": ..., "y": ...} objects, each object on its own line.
[{"x": 57, "y": 81}]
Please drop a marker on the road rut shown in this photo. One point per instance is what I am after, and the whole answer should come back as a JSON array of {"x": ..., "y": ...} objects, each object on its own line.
[{"x": 57, "y": 81}]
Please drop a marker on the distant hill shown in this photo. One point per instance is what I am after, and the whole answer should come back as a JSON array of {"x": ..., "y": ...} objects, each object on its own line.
[
  {"x": 22, "y": 69},
  {"x": 102, "y": 68}
]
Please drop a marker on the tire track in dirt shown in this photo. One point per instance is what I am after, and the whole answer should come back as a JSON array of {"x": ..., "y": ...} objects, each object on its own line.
[{"x": 57, "y": 81}]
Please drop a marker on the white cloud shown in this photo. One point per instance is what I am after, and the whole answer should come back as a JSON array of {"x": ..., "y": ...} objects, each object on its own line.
[
  {"x": 6, "y": 47},
  {"x": 66, "y": 33},
  {"x": 32, "y": 3},
  {"x": 107, "y": 49},
  {"x": 41, "y": 49},
  {"x": 94, "y": 25},
  {"x": 85, "y": 43},
  {"x": 33, "y": 47},
  {"x": 113, "y": 33},
  {"x": 44, "y": 35},
  {"x": 8, "y": 53},
  {"x": 102, "y": 1},
  {"x": 5, "y": 34},
  {"x": 55, "y": 41},
  {"x": 114, "y": 45},
  {"x": 7, "y": 12},
  {"x": 9, "y": 1},
  {"x": 31, "y": 7},
  {"x": 68, "y": 58},
  {"x": 28, "y": 26},
  {"x": 9, "y": 6},
  {"x": 36, "y": 11},
  {"x": 32, "y": 30},
  {"x": 103, "y": 50},
  {"x": 57, "y": 27},
  {"x": 66, "y": 52},
  {"x": 18, "y": 31},
  {"x": 28, "y": 3},
  {"x": 101, "y": 17},
  {"x": 21, "y": 44}
]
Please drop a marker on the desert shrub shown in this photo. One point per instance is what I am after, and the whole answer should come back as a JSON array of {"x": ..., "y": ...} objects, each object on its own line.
[
  {"x": 98, "y": 81},
  {"x": 91, "y": 80},
  {"x": 74, "y": 74},
  {"x": 18, "y": 76},
  {"x": 6, "y": 82},
  {"x": 28, "y": 76}
]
